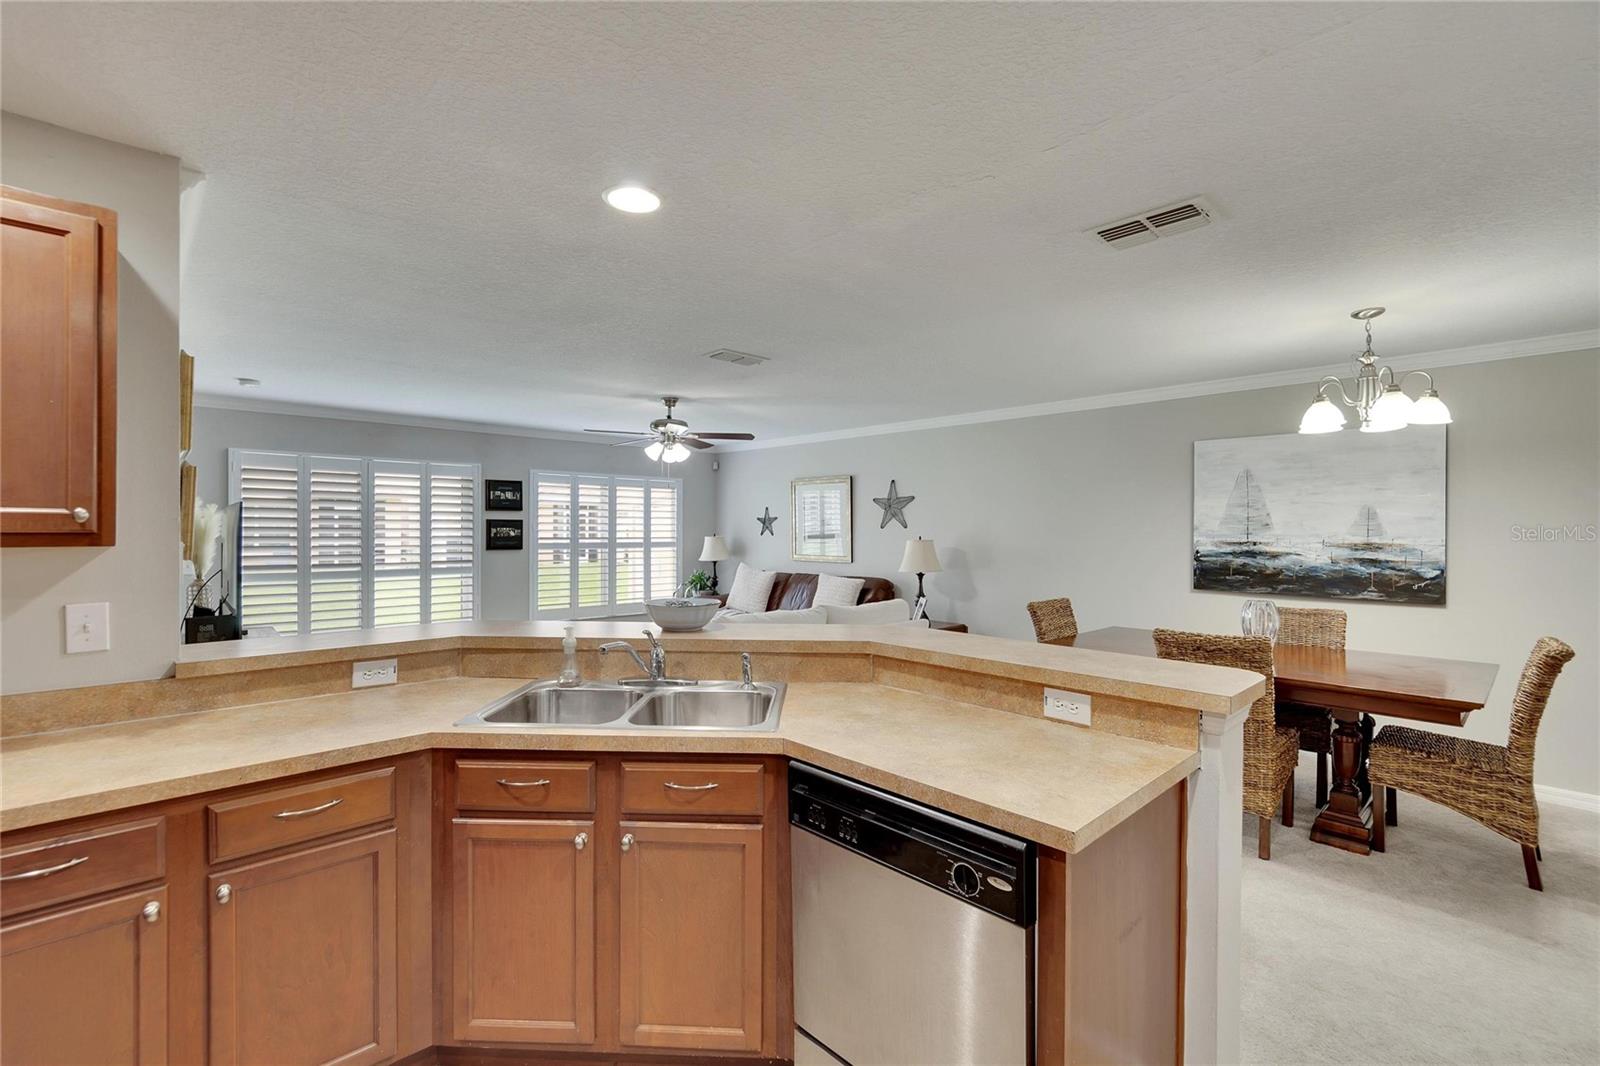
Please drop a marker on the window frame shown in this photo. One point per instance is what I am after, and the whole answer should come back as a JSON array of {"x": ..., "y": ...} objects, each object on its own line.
[
  {"x": 612, "y": 608},
  {"x": 426, "y": 469}
]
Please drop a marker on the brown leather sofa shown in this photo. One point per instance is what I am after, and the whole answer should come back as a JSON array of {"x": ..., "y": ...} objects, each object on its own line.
[{"x": 795, "y": 592}]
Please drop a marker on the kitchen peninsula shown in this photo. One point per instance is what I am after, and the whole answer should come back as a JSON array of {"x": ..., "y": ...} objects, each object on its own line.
[{"x": 216, "y": 806}]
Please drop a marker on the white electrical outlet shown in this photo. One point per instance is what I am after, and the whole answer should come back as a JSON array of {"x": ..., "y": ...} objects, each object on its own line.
[
  {"x": 88, "y": 627},
  {"x": 1068, "y": 706},
  {"x": 374, "y": 672}
]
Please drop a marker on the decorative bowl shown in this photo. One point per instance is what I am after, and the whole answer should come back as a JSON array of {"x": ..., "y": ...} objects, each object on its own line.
[{"x": 682, "y": 615}]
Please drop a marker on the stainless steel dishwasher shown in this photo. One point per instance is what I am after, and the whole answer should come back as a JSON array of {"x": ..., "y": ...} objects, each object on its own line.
[{"x": 913, "y": 930}]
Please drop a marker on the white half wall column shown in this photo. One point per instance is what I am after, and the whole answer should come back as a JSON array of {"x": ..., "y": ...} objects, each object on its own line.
[{"x": 1211, "y": 945}]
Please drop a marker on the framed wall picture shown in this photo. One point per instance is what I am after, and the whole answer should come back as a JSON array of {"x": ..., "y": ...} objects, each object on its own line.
[
  {"x": 502, "y": 534},
  {"x": 819, "y": 509},
  {"x": 502, "y": 495},
  {"x": 1338, "y": 516}
]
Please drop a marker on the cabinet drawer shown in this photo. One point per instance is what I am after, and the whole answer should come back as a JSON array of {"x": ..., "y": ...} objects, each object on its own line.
[
  {"x": 677, "y": 788},
  {"x": 269, "y": 820},
  {"x": 522, "y": 786},
  {"x": 75, "y": 865}
]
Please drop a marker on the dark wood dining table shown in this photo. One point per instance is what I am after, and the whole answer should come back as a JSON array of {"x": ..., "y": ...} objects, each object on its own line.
[{"x": 1352, "y": 685}]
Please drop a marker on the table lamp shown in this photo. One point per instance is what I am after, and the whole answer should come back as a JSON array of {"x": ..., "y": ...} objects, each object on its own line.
[
  {"x": 920, "y": 558},
  {"x": 713, "y": 551}
]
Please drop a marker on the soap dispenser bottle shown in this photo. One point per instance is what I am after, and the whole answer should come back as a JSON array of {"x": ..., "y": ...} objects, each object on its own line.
[{"x": 569, "y": 660}]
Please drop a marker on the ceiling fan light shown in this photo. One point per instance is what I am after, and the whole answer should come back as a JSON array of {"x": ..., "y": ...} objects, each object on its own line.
[
  {"x": 1323, "y": 416},
  {"x": 676, "y": 452},
  {"x": 653, "y": 450},
  {"x": 1429, "y": 410}
]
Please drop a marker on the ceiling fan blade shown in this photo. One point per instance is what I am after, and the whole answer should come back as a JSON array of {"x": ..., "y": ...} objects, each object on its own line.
[
  {"x": 723, "y": 436},
  {"x": 615, "y": 432},
  {"x": 636, "y": 440},
  {"x": 691, "y": 442}
]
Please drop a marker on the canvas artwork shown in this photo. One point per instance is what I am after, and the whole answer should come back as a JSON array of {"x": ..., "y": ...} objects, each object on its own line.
[{"x": 1347, "y": 515}]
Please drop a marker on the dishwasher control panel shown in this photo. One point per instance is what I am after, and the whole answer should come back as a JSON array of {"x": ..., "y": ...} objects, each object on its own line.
[{"x": 991, "y": 870}]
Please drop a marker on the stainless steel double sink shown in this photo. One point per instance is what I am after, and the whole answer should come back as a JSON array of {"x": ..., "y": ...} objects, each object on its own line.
[{"x": 664, "y": 705}]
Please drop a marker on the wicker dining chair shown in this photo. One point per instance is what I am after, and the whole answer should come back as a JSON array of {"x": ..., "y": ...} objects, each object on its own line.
[
  {"x": 1053, "y": 620},
  {"x": 1318, "y": 627},
  {"x": 1270, "y": 750},
  {"x": 1488, "y": 783}
]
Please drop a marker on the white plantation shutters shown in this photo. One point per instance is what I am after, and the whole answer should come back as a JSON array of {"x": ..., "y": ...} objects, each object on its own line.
[
  {"x": 602, "y": 545},
  {"x": 397, "y": 534},
  {"x": 335, "y": 575},
  {"x": 333, "y": 542},
  {"x": 452, "y": 542},
  {"x": 268, "y": 490}
]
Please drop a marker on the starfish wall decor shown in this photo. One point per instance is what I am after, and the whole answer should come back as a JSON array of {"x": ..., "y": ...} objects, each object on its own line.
[
  {"x": 894, "y": 506},
  {"x": 767, "y": 520}
]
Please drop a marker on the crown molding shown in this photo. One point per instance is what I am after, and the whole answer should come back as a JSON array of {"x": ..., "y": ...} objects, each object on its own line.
[
  {"x": 346, "y": 414},
  {"x": 1478, "y": 353}
]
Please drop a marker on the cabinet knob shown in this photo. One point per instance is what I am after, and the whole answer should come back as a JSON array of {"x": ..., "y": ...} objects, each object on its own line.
[
  {"x": 80, "y": 515},
  {"x": 627, "y": 841},
  {"x": 580, "y": 840},
  {"x": 152, "y": 911},
  {"x": 224, "y": 892}
]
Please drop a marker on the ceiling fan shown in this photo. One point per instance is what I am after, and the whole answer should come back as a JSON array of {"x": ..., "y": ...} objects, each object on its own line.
[{"x": 669, "y": 439}]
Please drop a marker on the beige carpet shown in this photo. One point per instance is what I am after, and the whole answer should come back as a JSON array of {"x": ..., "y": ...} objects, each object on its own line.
[{"x": 1435, "y": 951}]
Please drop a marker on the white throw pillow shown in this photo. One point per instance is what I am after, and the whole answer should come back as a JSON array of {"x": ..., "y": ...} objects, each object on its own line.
[
  {"x": 811, "y": 616},
  {"x": 751, "y": 588},
  {"x": 883, "y": 613},
  {"x": 837, "y": 591}
]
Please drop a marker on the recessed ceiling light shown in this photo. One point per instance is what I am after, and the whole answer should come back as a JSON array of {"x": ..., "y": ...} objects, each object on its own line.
[
  {"x": 249, "y": 383},
  {"x": 634, "y": 199}
]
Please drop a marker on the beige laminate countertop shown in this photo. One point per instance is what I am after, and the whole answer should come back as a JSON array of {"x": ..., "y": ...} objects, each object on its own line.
[{"x": 1057, "y": 784}]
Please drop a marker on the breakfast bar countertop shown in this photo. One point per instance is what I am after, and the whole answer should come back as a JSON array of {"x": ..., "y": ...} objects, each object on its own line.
[{"x": 1060, "y": 785}]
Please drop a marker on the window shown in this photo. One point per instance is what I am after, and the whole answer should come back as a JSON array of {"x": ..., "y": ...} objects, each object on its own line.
[
  {"x": 602, "y": 545},
  {"x": 330, "y": 542}
]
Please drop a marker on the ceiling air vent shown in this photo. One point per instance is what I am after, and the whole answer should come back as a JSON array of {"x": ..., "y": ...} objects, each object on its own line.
[
  {"x": 728, "y": 355},
  {"x": 1162, "y": 222}
]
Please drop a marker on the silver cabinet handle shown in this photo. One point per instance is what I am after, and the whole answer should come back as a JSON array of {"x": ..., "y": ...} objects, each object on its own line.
[
  {"x": 224, "y": 892},
  {"x": 627, "y": 841},
  {"x": 692, "y": 788},
  {"x": 580, "y": 840},
  {"x": 318, "y": 809},
  {"x": 523, "y": 784},
  {"x": 46, "y": 871},
  {"x": 152, "y": 911},
  {"x": 80, "y": 515}
]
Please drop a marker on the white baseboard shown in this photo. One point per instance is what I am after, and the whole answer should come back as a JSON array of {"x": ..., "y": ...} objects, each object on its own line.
[{"x": 1566, "y": 797}]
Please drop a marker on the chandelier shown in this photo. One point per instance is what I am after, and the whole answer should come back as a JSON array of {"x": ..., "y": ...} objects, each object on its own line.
[{"x": 1378, "y": 398}]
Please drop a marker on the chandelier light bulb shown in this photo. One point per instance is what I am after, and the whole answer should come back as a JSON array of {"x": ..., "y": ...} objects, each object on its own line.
[{"x": 1323, "y": 416}]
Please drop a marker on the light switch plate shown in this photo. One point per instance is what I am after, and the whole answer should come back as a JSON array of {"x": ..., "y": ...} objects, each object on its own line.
[
  {"x": 374, "y": 672},
  {"x": 88, "y": 627},
  {"x": 1071, "y": 707}
]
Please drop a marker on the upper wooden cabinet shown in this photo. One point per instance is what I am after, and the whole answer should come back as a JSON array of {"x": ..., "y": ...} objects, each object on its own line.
[{"x": 58, "y": 371}]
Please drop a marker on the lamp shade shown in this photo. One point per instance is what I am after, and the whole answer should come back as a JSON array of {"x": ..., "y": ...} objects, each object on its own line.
[
  {"x": 1429, "y": 410},
  {"x": 714, "y": 550},
  {"x": 920, "y": 558},
  {"x": 1322, "y": 417}
]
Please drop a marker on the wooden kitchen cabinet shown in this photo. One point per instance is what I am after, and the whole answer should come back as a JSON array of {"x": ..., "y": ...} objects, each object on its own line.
[
  {"x": 301, "y": 956},
  {"x": 58, "y": 371},
  {"x": 87, "y": 984},
  {"x": 691, "y": 936},
  {"x": 524, "y": 931}
]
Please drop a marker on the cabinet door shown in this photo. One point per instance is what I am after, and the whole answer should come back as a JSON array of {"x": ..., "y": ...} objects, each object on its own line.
[
  {"x": 524, "y": 931},
  {"x": 87, "y": 985},
  {"x": 691, "y": 936},
  {"x": 58, "y": 365},
  {"x": 302, "y": 956}
]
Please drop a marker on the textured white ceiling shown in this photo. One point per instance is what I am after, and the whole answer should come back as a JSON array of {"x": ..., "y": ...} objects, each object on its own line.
[{"x": 401, "y": 206}]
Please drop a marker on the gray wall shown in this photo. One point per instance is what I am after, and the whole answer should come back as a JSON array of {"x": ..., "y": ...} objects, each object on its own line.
[
  {"x": 506, "y": 574},
  {"x": 137, "y": 575},
  {"x": 1095, "y": 505}
]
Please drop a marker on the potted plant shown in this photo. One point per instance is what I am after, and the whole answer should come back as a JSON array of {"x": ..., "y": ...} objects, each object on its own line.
[{"x": 699, "y": 584}]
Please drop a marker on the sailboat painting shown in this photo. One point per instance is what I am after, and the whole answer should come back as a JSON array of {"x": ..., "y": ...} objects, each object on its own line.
[{"x": 1343, "y": 516}]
